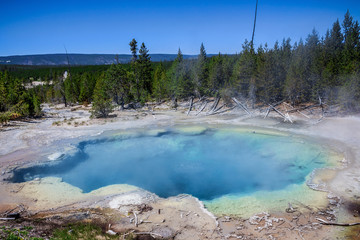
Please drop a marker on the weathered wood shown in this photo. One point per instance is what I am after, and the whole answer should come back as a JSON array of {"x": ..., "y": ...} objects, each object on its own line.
[
  {"x": 302, "y": 108},
  {"x": 288, "y": 117},
  {"x": 202, "y": 108},
  {"x": 290, "y": 209},
  {"x": 191, "y": 104},
  {"x": 219, "y": 112},
  {"x": 219, "y": 108},
  {"x": 281, "y": 114},
  {"x": 214, "y": 112},
  {"x": 322, "y": 107},
  {"x": 154, "y": 235},
  {"x": 241, "y": 105},
  {"x": 278, "y": 103},
  {"x": 199, "y": 100},
  {"x": 289, "y": 105},
  {"x": 304, "y": 114},
  {"x": 215, "y": 105},
  {"x": 136, "y": 219},
  {"x": 267, "y": 112},
  {"x": 337, "y": 224}
]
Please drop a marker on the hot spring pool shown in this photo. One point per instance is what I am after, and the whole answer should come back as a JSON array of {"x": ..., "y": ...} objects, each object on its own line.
[{"x": 208, "y": 164}]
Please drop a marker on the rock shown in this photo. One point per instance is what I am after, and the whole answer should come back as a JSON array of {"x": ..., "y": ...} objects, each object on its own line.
[
  {"x": 110, "y": 232},
  {"x": 163, "y": 233}
]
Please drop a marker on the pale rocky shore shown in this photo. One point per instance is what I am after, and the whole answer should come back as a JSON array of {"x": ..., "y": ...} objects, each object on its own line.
[{"x": 127, "y": 208}]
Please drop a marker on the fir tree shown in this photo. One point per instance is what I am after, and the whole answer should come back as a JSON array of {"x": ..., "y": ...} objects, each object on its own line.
[
  {"x": 118, "y": 85},
  {"x": 133, "y": 49},
  {"x": 244, "y": 70},
  {"x": 3, "y": 93},
  {"x": 160, "y": 86},
  {"x": 102, "y": 103},
  {"x": 201, "y": 72},
  {"x": 145, "y": 72}
]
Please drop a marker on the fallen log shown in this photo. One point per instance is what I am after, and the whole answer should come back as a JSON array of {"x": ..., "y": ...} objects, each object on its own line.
[
  {"x": 199, "y": 100},
  {"x": 219, "y": 112},
  {"x": 322, "y": 107},
  {"x": 5, "y": 219},
  {"x": 191, "y": 104},
  {"x": 154, "y": 235},
  {"x": 286, "y": 117},
  {"x": 302, "y": 108},
  {"x": 280, "y": 113},
  {"x": 202, "y": 108},
  {"x": 304, "y": 114},
  {"x": 267, "y": 112},
  {"x": 296, "y": 110},
  {"x": 241, "y": 105},
  {"x": 278, "y": 103},
  {"x": 136, "y": 219},
  {"x": 214, "y": 105},
  {"x": 219, "y": 108},
  {"x": 337, "y": 224}
]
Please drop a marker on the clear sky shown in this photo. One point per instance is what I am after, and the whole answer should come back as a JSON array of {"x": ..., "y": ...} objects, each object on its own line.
[{"x": 104, "y": 26}]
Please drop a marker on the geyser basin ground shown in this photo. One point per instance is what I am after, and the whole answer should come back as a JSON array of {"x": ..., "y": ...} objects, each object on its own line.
[{"x": 225, "y": 167}]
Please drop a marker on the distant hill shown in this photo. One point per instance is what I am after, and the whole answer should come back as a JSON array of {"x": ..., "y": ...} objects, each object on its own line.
[{"x": 80, "y": 59}]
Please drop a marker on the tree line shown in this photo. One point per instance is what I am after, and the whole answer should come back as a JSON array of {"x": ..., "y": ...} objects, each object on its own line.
[{"x": 325, "y": 67}]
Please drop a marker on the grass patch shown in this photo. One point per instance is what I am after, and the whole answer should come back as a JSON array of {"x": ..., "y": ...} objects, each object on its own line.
[
  {"x": 85, "y": 231},
  {"x": 81, "y": 231},
  {"x": 17, "y": 234}
]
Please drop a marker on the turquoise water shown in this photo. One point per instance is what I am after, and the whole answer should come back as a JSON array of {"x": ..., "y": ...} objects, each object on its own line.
[{"x": 208, "y": 165}]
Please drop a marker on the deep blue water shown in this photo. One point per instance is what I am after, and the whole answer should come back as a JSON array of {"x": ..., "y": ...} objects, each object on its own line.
[{"x": 207, "y": 165}]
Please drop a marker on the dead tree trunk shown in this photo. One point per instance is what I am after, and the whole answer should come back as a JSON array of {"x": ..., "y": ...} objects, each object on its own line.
[
  {"x": 337, "y": 224},
  {"x": 286, "y": 117},
  {"x": 267, "y": 112},
  {"x": 191, "y": 104},
  {"x": 200, "y": 100},
  {"x": 241, "y": 105},
  {"x": 215, "y": 105},
  {"x": 302, "y": 108},
  {"x": 202, "y": 108},
  {"x": 322, "y": 107},
  {"x": 225, "y": 110}
]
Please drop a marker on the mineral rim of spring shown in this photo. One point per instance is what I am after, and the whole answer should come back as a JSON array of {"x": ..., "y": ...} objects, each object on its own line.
[{"x": 209, "y": 164}]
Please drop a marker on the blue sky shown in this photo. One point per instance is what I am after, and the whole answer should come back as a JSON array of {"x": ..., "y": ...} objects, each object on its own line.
[{"x": 39, "y": 27}]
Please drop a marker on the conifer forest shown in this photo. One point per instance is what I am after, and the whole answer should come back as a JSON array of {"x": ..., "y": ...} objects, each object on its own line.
[{"x": 318, "y": 67}]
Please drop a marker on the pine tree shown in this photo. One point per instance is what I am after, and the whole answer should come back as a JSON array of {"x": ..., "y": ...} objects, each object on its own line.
[
  {"x": 118, "y": 85},
  {"x": 71, "y": 90},
  {"x": 351, "y": 40},
  {"x": 313, "y": 65},
  {"x": 179, "y": 57},
  {"x": 86, "y": 88},
  {"x": 133, "y": 49},
  {"x": 244, "y": 70},
  {"x": 145, "y": 72},
  {"x": 216, "y": 75},
  {"x": 174, "y": 72},
  {"x": 296, "y": 84},
  {"x": 201, "y": 72},
  {"x": 181, "y": 77},
  {"x": 3, "y": 93},
  {"x": 102, "y": 104},
  {"x": 15, "y": 90},
  {"x": 35, "y": 106},
  {"x": 160, "y": 86},
  {"x": 335, "y": 48}
]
